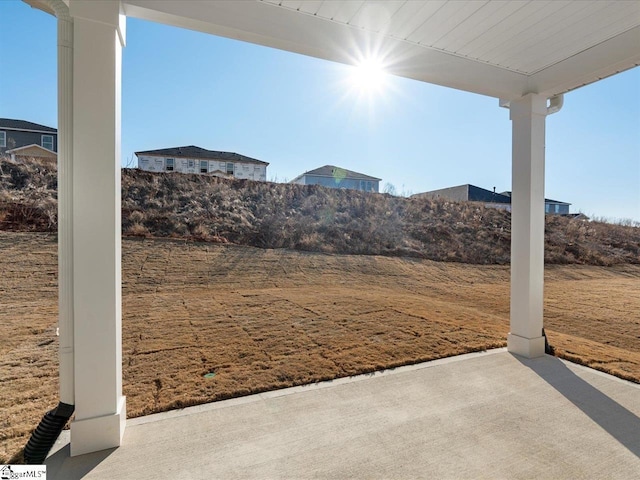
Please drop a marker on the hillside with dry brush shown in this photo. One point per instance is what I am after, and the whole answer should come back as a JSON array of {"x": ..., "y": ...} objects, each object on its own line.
[{"x": 311, "y": 218}]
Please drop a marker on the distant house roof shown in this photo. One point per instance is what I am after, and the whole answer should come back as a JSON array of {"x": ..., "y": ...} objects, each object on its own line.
[
  {"x": 192, "y": 151},
  {"x": 331, "y": 171},
  {"x": 13, "y": 124}
]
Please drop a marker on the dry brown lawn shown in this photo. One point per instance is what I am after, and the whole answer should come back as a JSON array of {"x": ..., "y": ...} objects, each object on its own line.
[{"x": 267, "y": 319}]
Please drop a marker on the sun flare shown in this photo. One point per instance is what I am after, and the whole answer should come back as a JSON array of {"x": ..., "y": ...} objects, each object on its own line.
[{"x": 369, "y": 76}]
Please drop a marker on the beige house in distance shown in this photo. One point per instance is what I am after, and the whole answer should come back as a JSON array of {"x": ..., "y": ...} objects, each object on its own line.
[
  {"x": 192, "y": 159},
  {"x": 34, "y": 151}
]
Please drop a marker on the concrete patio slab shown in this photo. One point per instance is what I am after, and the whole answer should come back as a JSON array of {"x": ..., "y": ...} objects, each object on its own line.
[{"x": 486, "y": 415}]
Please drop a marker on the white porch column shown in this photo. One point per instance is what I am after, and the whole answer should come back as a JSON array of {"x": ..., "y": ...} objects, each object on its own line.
[
  {"x": 98, "y": 37},
  {"x": 527, "y": 225}
]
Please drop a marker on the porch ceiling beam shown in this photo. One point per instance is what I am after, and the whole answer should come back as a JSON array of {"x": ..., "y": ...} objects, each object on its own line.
[
  {"x": 265, "y": 24},
  {"x": 286, "y": 29},
  {"x": 603, "y": 60}
]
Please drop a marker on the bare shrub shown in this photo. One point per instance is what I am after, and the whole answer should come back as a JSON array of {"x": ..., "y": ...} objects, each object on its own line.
[
  {"x": 201, "y": 232},
  {"x": 137, "y": 216},
  {"x": 137, "y": 230}
]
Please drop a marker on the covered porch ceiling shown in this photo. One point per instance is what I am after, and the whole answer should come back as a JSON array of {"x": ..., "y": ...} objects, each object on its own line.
[{"x": 503, "y": 49}]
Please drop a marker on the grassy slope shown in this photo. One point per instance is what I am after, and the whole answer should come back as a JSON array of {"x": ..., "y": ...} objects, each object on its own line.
[
  {"x": 263, "y": 319},
  {"x": 312, "y": 218}
]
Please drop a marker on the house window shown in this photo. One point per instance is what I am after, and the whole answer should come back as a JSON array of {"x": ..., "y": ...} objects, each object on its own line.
[
  {"x": 47, "y": 142},
  {"x": 547, "y": 208},
  {"x": 204, "y": 166},
  {"x": 170, "y": 165},
  {"x": 229, "y": 168},
  {"x": 191, "y": 163},
  {"x": 3, "y": 139}
]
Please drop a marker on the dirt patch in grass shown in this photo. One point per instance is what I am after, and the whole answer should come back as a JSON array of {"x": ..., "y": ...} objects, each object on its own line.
[{"x": 267, "y": 319}]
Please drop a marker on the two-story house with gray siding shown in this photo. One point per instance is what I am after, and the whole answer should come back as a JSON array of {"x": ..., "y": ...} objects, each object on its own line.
[
  {"x": 21, "y": 136},
  {"x": 336, "y": 177},
  {"x": 192, "y": 159}
]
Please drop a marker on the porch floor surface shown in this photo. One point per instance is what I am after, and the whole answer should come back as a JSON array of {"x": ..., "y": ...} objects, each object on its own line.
[{"x": 485, "y": 415}]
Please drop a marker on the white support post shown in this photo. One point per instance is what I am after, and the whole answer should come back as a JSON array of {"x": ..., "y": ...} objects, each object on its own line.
[
  {"x": 98, "y": 38},
  {"x": 527, "y": 226}
]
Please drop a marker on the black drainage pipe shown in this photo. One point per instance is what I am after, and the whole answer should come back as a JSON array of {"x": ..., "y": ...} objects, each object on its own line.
[
  {"x": 46, "y": 433},
  {"x": 548, "y": 348}
]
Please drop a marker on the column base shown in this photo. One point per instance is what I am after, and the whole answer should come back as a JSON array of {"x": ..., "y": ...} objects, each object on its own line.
[
  {"x": 525, "y": 347},
  {"x": 99, "y": 433}
]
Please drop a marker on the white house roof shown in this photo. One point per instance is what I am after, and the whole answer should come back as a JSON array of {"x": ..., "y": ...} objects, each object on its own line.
[{"x": 503, "y": 49}]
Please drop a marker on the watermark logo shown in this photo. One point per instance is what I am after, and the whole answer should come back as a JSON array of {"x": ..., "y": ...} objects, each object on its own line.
[{"x": 17, "y": 472}]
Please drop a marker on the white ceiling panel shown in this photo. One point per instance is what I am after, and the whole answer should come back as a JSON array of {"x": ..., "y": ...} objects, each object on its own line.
[
  {"x": 376, "y": 16},
  {"x": 571, "y": 39},
  {"x": 557, "y": 30},
  {"x": 437, "y": 36},
  {"x": 445, "y": 19},
  {"x": 531, "y": 31},
  {"x": 328, "y": 9},
  {"x": 418, "y": 16},
  {"x": 508, "y": 28},
  {"x": 481, "y": 21},
  {"x": 311, "y": 6},
  {"x": 406, "y": 19},
  {"x": 292, "y": 4},
  {"x": 347, "y": 11}
]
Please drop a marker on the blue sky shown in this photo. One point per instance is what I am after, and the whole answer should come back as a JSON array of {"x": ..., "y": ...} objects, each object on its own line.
[{"x": 298, "y": 113}]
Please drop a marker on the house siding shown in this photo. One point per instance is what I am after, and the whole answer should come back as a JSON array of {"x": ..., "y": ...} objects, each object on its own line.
[
  {"x": 349, "y": 183},
  {"x": 459, "y": 193},
  {"x": 556, "y": 208},
  {"x": 18, "y": 138},
  {"x": 241, "y": 170},
  {"x": 468, "y": 193}
]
